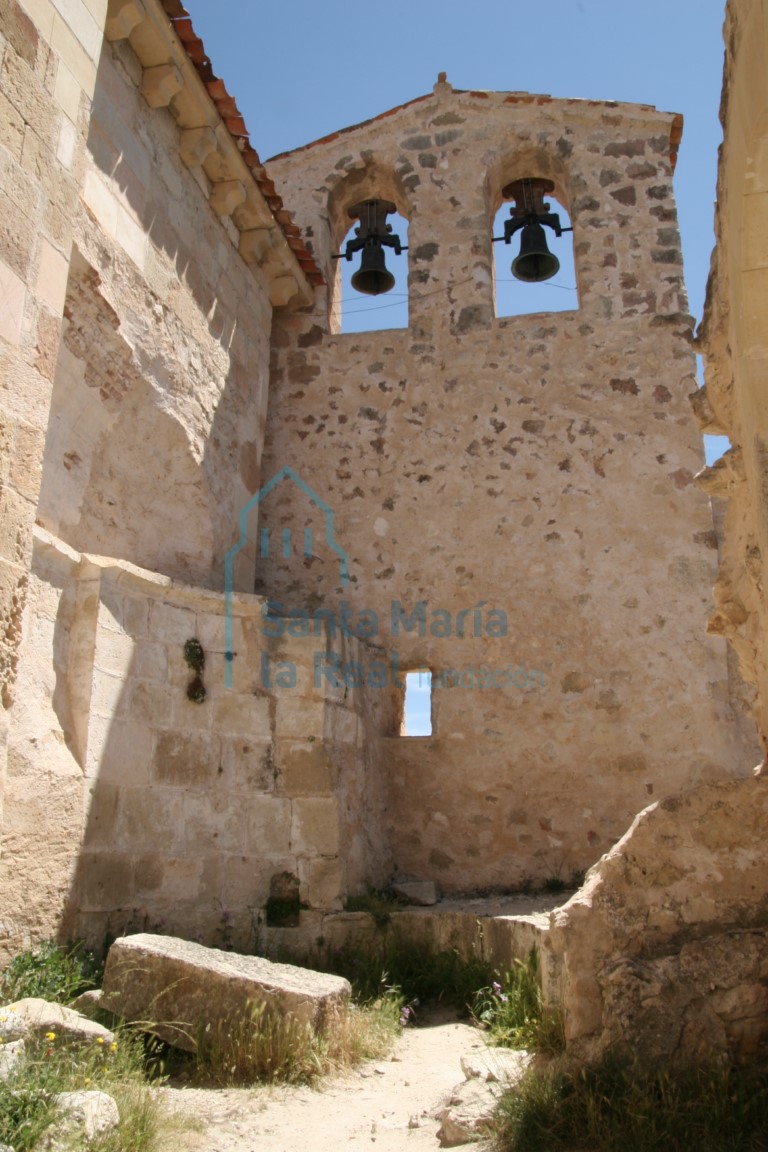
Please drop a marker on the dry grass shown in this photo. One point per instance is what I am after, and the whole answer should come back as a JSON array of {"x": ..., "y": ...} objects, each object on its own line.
[{"x": 265, "y": 1047}]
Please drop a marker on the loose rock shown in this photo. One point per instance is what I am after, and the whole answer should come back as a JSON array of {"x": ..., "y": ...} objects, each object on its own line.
[
  {"x": 88, "y": 1003},
  {"x": 504, "y": 1065},
  {"x": 89, "y": 1114},
  {"x": 12, "y": 1025},
  {"x": 11, "y": 1056},
  {"x": 40, "y": 1016},
  {"x": 467, "y": 1114}
]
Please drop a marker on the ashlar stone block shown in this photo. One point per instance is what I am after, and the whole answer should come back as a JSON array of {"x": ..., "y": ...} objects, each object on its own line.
[
  {"x": 243, "y": 715},
  {"x": 269, "y": 826},
  {"x": 190, "y": 987},
  {"x": 227, "y": 196},
  {"x": 186, "y": 759},
  {"x": 124, "y": 16},
  {"x": 305, "y": 769},
  {"x": 160, "y": 84},
  {"x": 315, "y": 826}
]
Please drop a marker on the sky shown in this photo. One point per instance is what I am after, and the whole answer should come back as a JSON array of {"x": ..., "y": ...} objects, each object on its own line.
[{"x": 300, "y": 70}]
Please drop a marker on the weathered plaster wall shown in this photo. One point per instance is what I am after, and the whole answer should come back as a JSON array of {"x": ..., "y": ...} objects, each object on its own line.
[
  {"x": 734, "y": 339},
  {"x": 130, "y": 805},
  {"x": 48, "y": 61},
  {"x": 540, "y": 465}
]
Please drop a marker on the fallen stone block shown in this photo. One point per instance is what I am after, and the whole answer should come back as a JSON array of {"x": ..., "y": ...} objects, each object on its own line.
[
  {"x": 40, "y": 1016},
  {"x": 83, "y": 1115},
  {"x": 467, "y": 1114},
  {"x": 12, "y": 1026},
  {"x": 420, "y": 892},
  {"x": 87, "y": 1003},
  {"x": 176, "y": 988}
]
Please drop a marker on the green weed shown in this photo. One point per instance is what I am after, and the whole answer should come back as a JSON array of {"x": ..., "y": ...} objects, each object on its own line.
[
  {"x": 52, "y": 1065},
  {"x": 380, "y": 903},
  {"x": 415, "y": 969},
  {"x": 50, "y": 972},
  {"x": 514, "y": 1013}
]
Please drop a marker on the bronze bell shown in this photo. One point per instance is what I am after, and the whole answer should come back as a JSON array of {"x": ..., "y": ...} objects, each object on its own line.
[
  {"x": 372, "y": 277},
  {"x": 535, "y": 261}
]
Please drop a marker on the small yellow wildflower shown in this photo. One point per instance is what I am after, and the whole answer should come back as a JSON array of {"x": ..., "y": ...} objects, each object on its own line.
[
  {"x": 113, "y": 1047},
  {"x": 50, "y": 1036},
  {"x": 99, "y": 1039},
  {"x": 87, "y": 1080}
]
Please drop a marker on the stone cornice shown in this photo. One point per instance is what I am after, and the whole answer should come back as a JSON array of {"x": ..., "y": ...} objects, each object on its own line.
[{"x": 170, "y": 80}]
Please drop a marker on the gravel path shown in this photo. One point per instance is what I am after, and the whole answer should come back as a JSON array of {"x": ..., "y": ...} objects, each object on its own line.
[{"x": 386, "y": 1105}]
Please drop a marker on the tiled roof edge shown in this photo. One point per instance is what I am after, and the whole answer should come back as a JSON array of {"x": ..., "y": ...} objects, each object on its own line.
[{"x": 226, "y": 106}]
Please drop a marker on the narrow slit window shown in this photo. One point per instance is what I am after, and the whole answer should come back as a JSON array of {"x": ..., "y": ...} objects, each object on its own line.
[{"x": 417, "y": 709}]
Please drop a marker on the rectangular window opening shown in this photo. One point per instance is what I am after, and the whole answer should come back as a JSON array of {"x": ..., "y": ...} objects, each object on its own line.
[{"x": 417, "y": 706}]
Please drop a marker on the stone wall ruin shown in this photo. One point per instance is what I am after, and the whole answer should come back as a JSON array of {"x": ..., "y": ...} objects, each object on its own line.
[{"x": 178, "y": 406}]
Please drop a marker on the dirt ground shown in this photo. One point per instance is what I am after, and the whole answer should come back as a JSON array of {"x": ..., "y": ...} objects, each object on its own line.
[{"x": 385, "y": 1106}]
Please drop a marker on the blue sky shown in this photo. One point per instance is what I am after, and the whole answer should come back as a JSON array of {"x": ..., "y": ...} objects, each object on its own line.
[{"x": 300, "y": 70}]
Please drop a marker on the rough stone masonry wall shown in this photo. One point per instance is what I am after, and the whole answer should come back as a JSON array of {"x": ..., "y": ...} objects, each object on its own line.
[
  {"x": 48, "y": 60},
  {"x": 541, "y": 465}
]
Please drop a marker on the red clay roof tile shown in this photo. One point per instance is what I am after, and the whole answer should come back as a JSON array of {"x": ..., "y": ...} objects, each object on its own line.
[
  {"x": 235, "y": 124},
  {"x": 174, "y": 9}
]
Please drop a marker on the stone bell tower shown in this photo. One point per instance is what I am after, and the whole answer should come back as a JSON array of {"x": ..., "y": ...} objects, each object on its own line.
[{"x": 515, "y": 495}]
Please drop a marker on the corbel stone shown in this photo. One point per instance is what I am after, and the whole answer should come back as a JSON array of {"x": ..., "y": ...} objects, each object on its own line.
[
  {"x": 282, "y": 290},
  {"x": 227, "y": 196},
  {"x": 124, "y": 16},
  {"x": 160, "y": 84},
  {"x": 255, "y": 244},
  {"x": 196, "y": 145}
]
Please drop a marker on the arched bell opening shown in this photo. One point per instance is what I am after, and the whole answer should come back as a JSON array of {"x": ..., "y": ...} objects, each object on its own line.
[
  {"x": 373, "y": 288},
  {"x": 534, "y": 269},
  {"x": 368, "y": 214}
]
